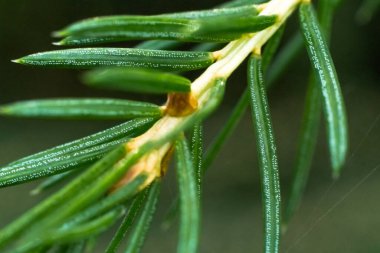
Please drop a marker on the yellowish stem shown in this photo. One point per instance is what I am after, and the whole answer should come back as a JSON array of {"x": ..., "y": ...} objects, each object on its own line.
[{"x": 227, "y": 60}]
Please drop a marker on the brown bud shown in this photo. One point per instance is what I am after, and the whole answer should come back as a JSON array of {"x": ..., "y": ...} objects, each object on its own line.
[{"x": 180, "y": 104}]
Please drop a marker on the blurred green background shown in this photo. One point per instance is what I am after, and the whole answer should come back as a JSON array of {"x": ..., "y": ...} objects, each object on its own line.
[{"x": 341, "y": 216}]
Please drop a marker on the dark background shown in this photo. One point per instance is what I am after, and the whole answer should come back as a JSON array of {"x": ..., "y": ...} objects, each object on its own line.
[{"x": 342, "y": 216}]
